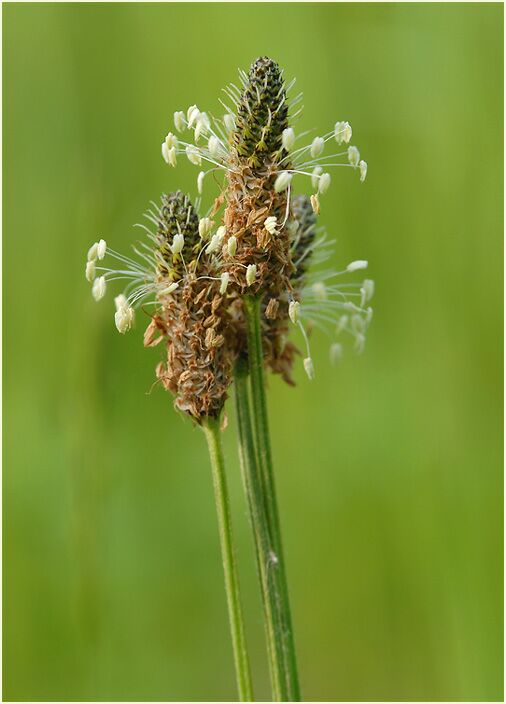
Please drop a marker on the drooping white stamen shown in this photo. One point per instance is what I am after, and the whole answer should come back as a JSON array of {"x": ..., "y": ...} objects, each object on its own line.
[
  {"x": 309, "y": 367},
  {"x": 120, "y": 301},
  {"x": 232, "y": 246},
  {"x": 317, "y": 171},
  {"x": 353, "y": 156},
  {"x": 225, "y": 277},
  {"x": 169, "y": 154},
  {"x": 363, "y": 170},
  {"x": 271, "y": 225},
  {"x": 193, "y": 155},
  {"x": 324, "y": 184},
  {"x": 317, "y": 146},
  {"x": 356, "y": 265},
  {"x": 177, "y": 244},
  {"x": 124, "y": 318},
  {"x": 283, "y": 181},
  {"x": 205, "y": 227},
  {"x": 341, "y": 324},
  {"x": 315, "y": 204},
  {"x": 215, "y": 242},
  {"x": 251, "y": 274},
  {"x": 293, "y": 311},
  {"x": 368, "y": 315},
  {"x": 359, "y": 343},
  {"x": 343, "y": 132},
  {"x": 99, "y": 288},
  {"x": 90, "y": 270},
  {"x": 179, "y": 120},
  {"x": 229, "y": 122},
  {"x": 288, "y": 138}
]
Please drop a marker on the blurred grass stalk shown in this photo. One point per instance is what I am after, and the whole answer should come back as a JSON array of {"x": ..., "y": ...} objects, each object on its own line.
[
  {"x": 258, "y": 478},
  {"x": 211, "y": 428}
]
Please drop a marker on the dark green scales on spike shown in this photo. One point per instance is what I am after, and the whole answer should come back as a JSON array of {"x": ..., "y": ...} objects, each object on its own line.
[
  {"x": 262, "y": 113},
  {"x": 176, "y": 216},
  {"x": 303, "y": 236}
]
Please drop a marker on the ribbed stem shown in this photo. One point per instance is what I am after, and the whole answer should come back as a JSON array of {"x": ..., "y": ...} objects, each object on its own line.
[
  {"x": 263, "y": 543},
  {"x": 261, "y": 425},
  {"x": 212, "y": 432}
]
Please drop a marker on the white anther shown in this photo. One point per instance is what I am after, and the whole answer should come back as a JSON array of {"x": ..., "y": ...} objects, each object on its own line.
[
  {"x": 271, "y": 225},
  {"x": 232, "y": 246},
  {"x": 357, "y": 265},
  {"x": 169, "y": 289},
  {"x": 324, "y": 184},
  {"x": 336, "y": 352},
  {"x": 288, "y": 138},
  {"x": 192, "y": 114},
  {"x": 229, "y": 122},
  {"x": 98, "y": 289},
  {"x": 320, "y": 291},
  {"x": 315, "y": 204},
  {"x": 200, "y": 181},
  {"x": 93, "y": 252},
  {"x": 282, "y": 182},
  {"x": 317, "y": 146},
  {"x": 177, "y": 244},
  {"x": 309, "y": 367},
  {"x": 193, "y": 155},
  {"x": 251, "y": 274},
  {"x": 363, "y": 170},
  {"x": 367, "y": 291},
  {"x": 368, "y": 315},
  {"x": 214, "y": 146},
  {"x": 225, "y": 278},
  {"x": 179, "y": 121},
  {"x": 171, "y": 141},
  {"x": 205, "y": 227},
  {"x": 317, "y": 171},
  {"x": 90, "y": 270},
  {"x": 353, "y": 156},
  {"x": 357, "y": 323},
  {"x": 341, "y": 324},
  {"x": 293, "y": 311},
  {"x": 343, "y": 132},
  {"x": 120, "y": 301}
]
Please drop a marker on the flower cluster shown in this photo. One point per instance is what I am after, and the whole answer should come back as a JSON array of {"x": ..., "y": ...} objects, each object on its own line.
[{"x": 257, "y": 239}]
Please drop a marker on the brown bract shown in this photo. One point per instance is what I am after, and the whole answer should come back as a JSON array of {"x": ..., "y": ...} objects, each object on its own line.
[{"x": 194, "y": 324}]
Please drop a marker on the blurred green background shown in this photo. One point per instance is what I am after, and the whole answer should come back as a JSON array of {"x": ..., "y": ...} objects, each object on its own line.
[{"x": 389, "y": 467}]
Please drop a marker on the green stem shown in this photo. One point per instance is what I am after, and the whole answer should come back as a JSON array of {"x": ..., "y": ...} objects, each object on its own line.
[
  {"x": 263, "y": 544},
  {"x": 261, "y": 424},
  {"x": 211, "y": 430}
]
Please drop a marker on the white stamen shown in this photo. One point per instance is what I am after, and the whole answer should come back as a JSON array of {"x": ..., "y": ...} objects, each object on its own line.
[
  {"x": 177, "y": 244},
  {"x": 124, "y": 318},
  {"x": 359, "y": 343},
  {"x": 90, "y": 270},
  {"x": 288, "y": 138},
  {"x": 317, "y": 146},
  {"x": 229, "y": 122},
  {"x": 192, "y": 115},
  {"x": 341, "y": 324},
  {"x": 353, "y": 156},
  {"x": 179, "y": 121},
  {"x": 309, "y": 367},
  {"x": 205, "y": 227},
  {"x": 251, "y": 274},
  {"x": 317, "y": 171},
  {"x": 368, "y": 315},
  {"x": 193, "y": 155},
  {"x": 282, "y": 182},
  {"x": 358, "y": 264},
  {"x": 165, "y": 152},
  {"x": 98, "y": 289},
  {"x": 363, "y": 170},
  {"x": 215, "y": 243},
  {"x": 315, "y": 204},
  {"x": 293, "y": 311},
  {"x": 232, "y": 246},
  {"x": 367, "y": 291},
  {"x": 324, "y": 184},
  {"x": 225, "y": 277},
  {"x": 357, "y": 323},
  {"x": 171, "y": 141}
]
